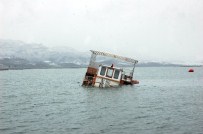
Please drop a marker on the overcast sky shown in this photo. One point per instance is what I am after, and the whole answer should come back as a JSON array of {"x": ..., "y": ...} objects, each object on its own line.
[{"x": 159, "y": 30}]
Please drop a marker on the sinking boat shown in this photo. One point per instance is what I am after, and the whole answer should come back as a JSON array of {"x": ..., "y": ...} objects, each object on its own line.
[{"x": 99, "y": 75}]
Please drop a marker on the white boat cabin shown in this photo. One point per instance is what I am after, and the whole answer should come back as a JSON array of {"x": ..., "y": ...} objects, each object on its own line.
[{"x": 108, "y": 77}]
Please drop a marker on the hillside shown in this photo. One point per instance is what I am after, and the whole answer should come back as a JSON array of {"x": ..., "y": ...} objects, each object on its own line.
[{"x": 16, "y": 54}]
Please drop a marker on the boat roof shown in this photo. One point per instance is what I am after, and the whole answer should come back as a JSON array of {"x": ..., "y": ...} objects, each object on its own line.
[{"x": 114, "y": 56}]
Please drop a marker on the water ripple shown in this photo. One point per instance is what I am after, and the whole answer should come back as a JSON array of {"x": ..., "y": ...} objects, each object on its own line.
[{"x": 52, "y": 101}]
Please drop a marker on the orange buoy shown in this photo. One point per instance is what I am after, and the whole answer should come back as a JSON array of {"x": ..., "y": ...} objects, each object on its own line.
[{"x": 191, "y": 70}]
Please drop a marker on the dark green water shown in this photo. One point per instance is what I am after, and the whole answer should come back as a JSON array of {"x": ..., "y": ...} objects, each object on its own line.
[{"x": 167, "y": 100}]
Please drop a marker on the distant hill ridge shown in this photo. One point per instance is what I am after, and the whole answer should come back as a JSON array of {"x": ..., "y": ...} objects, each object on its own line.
[
  {"x": 20, "y": 55},
  {"x": 15, "y": 51}
]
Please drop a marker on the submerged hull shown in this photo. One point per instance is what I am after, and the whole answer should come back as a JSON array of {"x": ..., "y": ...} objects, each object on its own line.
[{"x": 104, "y": 82}]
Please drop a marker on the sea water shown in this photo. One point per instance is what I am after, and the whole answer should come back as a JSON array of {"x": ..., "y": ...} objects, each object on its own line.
[{"x": 44, "y": 101}]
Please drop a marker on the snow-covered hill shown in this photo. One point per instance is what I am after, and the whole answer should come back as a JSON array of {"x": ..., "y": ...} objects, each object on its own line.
[
  {"x": 18, "y": 54},
  {"x": 40, "y": 53}
]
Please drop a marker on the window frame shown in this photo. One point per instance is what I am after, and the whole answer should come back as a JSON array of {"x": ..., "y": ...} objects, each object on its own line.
[
  {"x": 104, "y": 71},
  {"x": 111, "y": 73},
  {"x": 115, "y": 73}
]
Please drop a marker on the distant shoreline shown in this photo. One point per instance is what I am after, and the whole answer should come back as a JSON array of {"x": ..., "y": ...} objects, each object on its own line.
[
  {"x": 191, "y": 66},
  {"x": 86, "y": 67}
]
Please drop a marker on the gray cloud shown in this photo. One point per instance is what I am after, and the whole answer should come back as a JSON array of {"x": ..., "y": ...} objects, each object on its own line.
[{"x": 146, "y": 30}]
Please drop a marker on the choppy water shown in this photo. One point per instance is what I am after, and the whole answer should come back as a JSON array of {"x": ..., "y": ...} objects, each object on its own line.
[{"x": 167, "y": 100}]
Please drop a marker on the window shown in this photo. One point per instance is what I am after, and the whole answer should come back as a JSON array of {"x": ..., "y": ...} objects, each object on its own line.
[
  {"x": 116, "y": 74},
  {"x": 109, "y": 73},
  {"x": 103, "y": 71}
]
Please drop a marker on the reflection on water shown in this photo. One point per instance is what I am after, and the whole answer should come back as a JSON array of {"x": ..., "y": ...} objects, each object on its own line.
[{"x": 167, "y": 100}]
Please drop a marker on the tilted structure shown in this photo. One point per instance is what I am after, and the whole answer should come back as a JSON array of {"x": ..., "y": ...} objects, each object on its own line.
[{"x": 99, "y": 75}]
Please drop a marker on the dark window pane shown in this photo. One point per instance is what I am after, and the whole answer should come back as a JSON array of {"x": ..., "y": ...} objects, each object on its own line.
[
  {"x": 103, "y": 70},
  {"x": 116, "y": 74}
]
